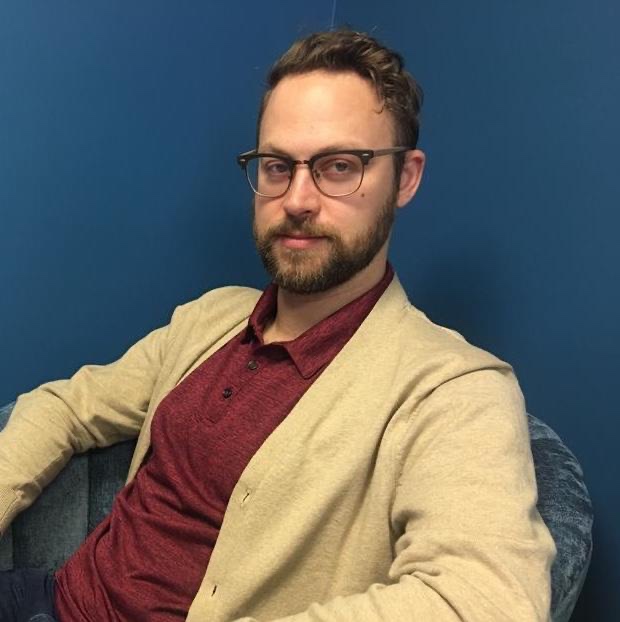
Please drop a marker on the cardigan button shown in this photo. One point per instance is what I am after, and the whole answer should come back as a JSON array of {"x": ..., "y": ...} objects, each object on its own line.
[
  {"x": 227, "y": 392},
  {"x": 252, "y": 365}
]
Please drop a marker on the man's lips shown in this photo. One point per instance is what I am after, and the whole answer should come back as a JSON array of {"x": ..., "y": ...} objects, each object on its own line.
[{"x": 299, "y": 241}]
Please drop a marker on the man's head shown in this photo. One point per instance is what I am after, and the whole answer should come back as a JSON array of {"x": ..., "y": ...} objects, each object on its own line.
[
  {"x": 333, "y": 91},
  {"x": 341, "y": 51}
]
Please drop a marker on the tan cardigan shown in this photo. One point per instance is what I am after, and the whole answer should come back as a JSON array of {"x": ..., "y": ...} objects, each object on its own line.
[{"x": 400, "y": 488}]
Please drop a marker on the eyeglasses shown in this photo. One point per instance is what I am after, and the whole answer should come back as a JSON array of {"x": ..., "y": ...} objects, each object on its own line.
[{"x": 335, "y": 173}]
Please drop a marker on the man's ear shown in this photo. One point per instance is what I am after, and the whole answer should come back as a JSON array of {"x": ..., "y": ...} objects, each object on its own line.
[{"x": 411, "y": 176}]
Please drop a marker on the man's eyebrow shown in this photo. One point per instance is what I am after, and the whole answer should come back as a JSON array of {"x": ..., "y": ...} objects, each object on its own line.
[{"x": 273, "y": 148}]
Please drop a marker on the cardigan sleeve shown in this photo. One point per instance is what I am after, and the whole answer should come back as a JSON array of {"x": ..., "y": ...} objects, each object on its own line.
[
  {"x": 470, "y": 545},
  {"x": 98, "y": 406}
]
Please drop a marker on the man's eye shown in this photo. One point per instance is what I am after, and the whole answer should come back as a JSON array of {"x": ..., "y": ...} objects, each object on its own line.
[
  {"x": 341, "y": 166},
  {"x": 337, "y": 167},
  {"x": 275, "y": 167}
]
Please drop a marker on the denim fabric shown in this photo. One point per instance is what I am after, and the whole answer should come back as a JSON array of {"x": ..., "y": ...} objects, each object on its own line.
[
  {"x": 26, "y": 595},
  {"x": 82, "y": 499}
]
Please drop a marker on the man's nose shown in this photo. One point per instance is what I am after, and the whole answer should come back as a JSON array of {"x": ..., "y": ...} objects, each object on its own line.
[{"x": 303, "y": 197}]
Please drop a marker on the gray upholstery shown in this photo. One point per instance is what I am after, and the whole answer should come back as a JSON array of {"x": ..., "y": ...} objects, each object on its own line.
[
  {"x": 565, "y": 506},
  {"x": 83, "y": 493}
]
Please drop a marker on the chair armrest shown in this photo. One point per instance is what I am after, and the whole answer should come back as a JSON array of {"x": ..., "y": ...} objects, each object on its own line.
[{"x": 565, "y": 506}]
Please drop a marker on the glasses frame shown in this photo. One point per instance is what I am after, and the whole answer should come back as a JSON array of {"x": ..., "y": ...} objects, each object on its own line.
[{"x": 365, "y": 155}]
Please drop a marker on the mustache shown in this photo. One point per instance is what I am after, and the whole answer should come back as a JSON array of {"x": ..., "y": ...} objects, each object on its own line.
[{"x": 302, "y": 228}]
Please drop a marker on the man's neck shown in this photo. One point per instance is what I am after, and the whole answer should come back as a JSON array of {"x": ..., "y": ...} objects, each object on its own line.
[{"x": 296, "y": 313}]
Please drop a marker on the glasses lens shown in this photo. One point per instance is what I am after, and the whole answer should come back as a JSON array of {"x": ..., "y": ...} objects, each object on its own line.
[
  {"x": 268, "y": 176},
  {"x": 338, "y": 174}
]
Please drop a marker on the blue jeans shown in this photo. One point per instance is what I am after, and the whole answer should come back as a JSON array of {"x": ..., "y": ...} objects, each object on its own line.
[{"x": 26, "y": 596}]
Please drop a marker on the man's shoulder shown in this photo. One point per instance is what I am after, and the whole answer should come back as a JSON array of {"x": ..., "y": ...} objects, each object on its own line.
[
  {"x": 420, "y": 339},
  {"x": 221, "y": 307},
  {"x": 229, "y": 297}
]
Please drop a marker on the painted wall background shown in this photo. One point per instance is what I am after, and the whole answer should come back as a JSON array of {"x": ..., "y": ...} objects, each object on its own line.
[
  {"x": 513, "y": 239},
  {"x": 120, "y": 197}
]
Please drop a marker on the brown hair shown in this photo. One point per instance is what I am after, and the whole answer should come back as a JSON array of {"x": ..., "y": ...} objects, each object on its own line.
[{"x": 347, "y": 50}]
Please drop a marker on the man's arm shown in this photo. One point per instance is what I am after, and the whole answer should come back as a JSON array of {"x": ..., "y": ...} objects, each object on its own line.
[
  {"x": 98, "y": 406},
  {"x": 470, "y": 546}
]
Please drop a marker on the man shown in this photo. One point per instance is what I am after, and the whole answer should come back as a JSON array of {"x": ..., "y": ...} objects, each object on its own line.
[{"x": 320, "y": 452}]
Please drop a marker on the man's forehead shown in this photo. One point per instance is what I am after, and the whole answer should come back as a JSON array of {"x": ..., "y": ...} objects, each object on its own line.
[
  {"x": 343, "y": 87},
  {"x": 333, "y": 108}
]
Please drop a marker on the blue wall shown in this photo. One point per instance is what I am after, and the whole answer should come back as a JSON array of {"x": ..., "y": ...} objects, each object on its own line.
[
  {"x": 513, "y": 239},
  {"x": 120, "y": 198}
]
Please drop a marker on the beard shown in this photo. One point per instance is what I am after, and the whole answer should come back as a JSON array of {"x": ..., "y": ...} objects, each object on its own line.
[{"x": 308, "y": 271}]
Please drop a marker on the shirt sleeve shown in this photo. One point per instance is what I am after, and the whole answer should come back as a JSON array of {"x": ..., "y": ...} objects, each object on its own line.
[{"x": 471, "y": 546}]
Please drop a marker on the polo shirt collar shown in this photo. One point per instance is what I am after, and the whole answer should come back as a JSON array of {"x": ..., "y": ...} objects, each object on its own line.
[{"x": 316, "y": 347}]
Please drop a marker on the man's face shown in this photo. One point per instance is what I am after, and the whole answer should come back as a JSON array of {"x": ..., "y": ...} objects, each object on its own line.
[{"x": 310, "y": 242}]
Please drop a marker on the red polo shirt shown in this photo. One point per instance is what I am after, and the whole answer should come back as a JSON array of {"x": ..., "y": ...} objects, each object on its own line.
[{"x": 146, "y": 560}]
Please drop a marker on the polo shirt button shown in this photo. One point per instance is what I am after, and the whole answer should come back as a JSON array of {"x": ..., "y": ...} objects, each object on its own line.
[
  {"x": 252, "y": 365},
  {"x": 227, "y": 392}
]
